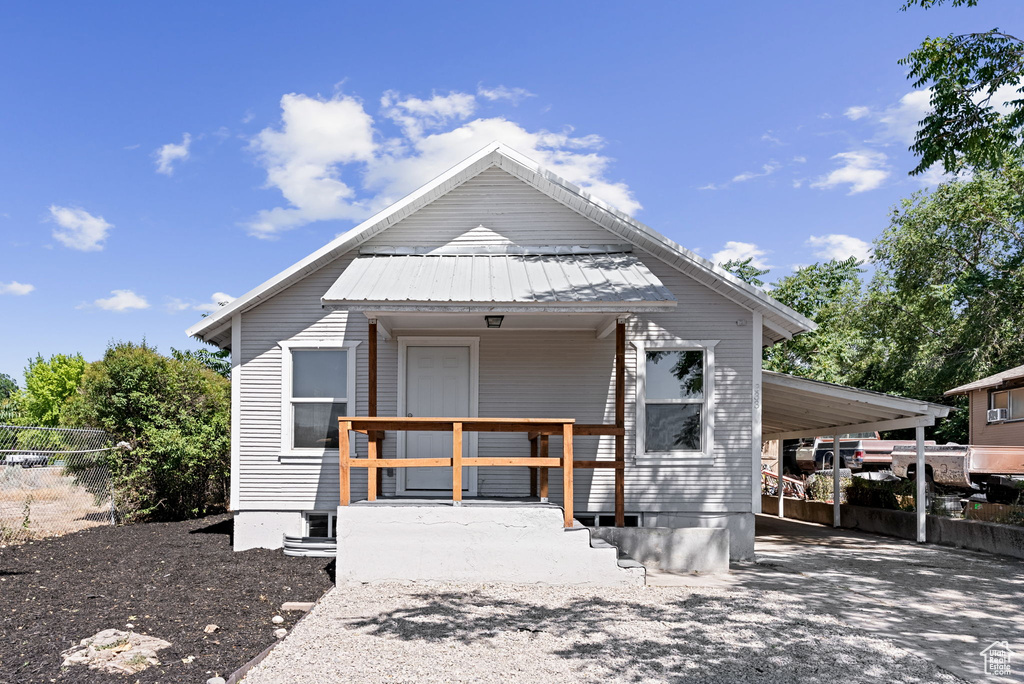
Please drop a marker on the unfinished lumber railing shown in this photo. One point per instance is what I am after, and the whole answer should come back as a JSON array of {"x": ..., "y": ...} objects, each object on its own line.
[{"x": 538, "y": 430}]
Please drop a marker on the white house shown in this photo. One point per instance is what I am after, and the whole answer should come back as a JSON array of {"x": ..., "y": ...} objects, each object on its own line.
[{"x": 500, "y": 291}]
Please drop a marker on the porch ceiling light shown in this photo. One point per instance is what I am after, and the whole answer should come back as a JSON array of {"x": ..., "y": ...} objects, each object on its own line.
[{"x": 494, "y": 321}]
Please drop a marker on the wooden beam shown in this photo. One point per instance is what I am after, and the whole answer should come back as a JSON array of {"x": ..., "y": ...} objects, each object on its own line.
[
  {"x": 512, "y": 461},
  {"x": 375, "y": 484},
  {"x": 400, "y": 463},
  {"x": 457, "y": 463},
  {"x": 620, "y": 423},
  {"x": 607, "y": 327},
  {"x": 598, "y": 464},
  {"x": 543, "y": 474},
  {"x": 345, "y": 495},
  {"x": 372, "y": 480},
  {"x": 533, "y": 472},
  {"x": 567, "y": 474},
  {"x": 588, "y": 430}
]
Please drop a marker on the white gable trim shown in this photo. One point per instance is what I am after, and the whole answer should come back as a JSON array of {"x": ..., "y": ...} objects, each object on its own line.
[{"x": 551, "y": 185}]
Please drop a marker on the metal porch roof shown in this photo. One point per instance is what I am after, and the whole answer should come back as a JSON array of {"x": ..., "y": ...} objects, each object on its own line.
[
  {"x": 797, "y": 407},
  {"x": 525, "y": 279}
]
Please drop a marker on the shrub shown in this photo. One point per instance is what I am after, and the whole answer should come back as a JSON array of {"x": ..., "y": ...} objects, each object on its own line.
[
  {"x": 174, "y": 415},
  {"x": 893, "y": 495},
  {"x": 819, "y": 485}
]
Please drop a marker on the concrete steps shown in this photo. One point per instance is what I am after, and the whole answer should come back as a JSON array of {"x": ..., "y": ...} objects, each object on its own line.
[{"x": 522, "y": 544}]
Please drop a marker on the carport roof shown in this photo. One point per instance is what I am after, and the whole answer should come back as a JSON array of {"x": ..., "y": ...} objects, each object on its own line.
[{"x": 794, "y": 407}]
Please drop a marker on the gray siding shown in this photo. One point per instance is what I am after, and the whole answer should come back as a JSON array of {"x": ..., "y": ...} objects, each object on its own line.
[{"x": 543, "y": 373}]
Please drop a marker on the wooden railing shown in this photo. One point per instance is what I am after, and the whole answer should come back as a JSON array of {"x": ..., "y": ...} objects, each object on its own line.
[{"x": 538, "y": 430}]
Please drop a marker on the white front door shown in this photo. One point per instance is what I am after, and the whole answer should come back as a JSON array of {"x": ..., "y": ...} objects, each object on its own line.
[{"x": 437, "y": 384}]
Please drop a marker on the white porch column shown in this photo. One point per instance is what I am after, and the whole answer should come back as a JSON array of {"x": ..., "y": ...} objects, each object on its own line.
[
  {"x": 782, "y": 499},
  {"x": 919, "y": 500},
  {"x": 836, "y": 462}
]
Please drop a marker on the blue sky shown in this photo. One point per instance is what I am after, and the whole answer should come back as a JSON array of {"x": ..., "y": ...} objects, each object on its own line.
[{"x": 157, "y": 157}]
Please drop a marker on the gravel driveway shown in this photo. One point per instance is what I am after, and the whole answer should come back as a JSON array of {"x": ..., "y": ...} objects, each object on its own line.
[{"x": 493, "y": 633}]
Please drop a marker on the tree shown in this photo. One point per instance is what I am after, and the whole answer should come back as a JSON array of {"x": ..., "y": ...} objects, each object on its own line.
[
  {"x": 742, "y": 269},
  {"x": 947, "y": 299},
  {"x": 830, "y": 294},
  {"x": 8, "y": 386},
  {"x": 966, "y": 129},
  {"x": 174, "y": 414},
  {"x": 48, "y": 386},
  {"x": 218, "y": 361}
]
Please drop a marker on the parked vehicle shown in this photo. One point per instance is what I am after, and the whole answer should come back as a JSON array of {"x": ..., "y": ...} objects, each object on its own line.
[
  {"x": 858, "y": 451},
  {"x": 25, "y": 460},
  {"x": 996, "y": 470}
]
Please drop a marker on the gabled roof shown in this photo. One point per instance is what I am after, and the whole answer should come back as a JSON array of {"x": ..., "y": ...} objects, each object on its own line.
[
  {"x": 780, "y": 322},
  {"x": 989, "y": 382}
]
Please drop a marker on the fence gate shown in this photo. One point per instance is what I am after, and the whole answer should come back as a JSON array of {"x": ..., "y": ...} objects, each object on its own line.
[{"x": 53, "y": 481}]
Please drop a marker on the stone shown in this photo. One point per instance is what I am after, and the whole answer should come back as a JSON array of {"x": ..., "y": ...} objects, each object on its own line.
[
  {"x": 277, "y": 620},
  {"x": 210, "y": 628},
  {"x": 216, "y": 680},
  {"x": 115, "y": 651},
  {"x": 301, "y": 606},
  {"x": 281, "y": 633}
]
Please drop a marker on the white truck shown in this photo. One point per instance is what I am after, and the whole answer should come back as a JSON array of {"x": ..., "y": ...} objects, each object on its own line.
[{"x": 996, "y": 470}]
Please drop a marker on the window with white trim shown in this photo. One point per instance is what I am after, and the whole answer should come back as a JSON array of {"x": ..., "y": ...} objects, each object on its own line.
[
  {"x": 1011, "y": 400},
  {"x": 675, "y": 400},
  {"x": 318, "y": 388},
  {"x": 320, "y": 525}
]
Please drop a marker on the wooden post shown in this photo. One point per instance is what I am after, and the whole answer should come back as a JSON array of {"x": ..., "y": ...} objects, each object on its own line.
[
  {"x": 371, "y": 371},
  {"x": 372, "y": 481},
  {"x": 567, "y": 473},
  {"x": 620, "y": 422},
  {"x": 457, "y": 463},
  {"x": 543, "y": 474},
  {"x": 533, "y": 471},
  {"x": 345, "y": 495}
]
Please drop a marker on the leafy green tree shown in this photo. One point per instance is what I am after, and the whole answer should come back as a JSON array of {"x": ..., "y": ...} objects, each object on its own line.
[
  {"x": 947, "y": 300},
  {"x": 965, "y": 129},
  {"x": 218, "y": 361},
  {"x": 742, "y": 269},
  {"x": 830, "y": 294},
  {"x": 49, "y": 383},
  {"x": 174, "y": 414},
  {"x": 8, "y": 386}
]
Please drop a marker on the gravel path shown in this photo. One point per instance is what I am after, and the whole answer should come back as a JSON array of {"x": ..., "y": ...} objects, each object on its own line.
[{"x": 495, "y": 633}]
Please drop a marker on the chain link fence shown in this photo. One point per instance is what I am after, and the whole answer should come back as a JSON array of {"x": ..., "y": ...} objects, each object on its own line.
[{"x": 52, "y": 481}]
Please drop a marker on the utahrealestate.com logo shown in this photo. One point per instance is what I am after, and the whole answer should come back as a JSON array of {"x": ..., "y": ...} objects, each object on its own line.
[{"x": 997, "y": 658}]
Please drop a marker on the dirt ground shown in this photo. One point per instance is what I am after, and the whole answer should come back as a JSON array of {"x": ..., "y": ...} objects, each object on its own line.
[
  {"x": 43, "y": 502},
  {"x": 169, "y": 580}
]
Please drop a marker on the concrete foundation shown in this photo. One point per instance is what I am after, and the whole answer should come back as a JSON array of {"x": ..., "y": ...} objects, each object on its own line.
[
  {"x": 683, "y": 549},
  {"x": 522, "y": 544},
  {"x": 739, "y": 525},
  {"x": 1006, "y": 540},
  {"x": 265, "y": 529}
]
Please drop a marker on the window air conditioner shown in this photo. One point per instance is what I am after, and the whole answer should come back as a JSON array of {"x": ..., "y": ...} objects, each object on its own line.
[{"x": 998, "y": 415}]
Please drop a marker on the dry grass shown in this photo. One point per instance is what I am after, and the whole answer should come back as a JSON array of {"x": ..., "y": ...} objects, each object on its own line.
[{"x": 44, "y": 502}]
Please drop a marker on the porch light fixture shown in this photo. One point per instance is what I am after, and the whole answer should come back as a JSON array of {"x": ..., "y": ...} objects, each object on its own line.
[{"x": 494, "y": 321}]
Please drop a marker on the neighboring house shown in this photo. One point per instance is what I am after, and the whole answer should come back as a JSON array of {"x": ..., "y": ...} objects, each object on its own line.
[
  {"x": 500, "y": 290},
  {"x": 996, "y": 405}
]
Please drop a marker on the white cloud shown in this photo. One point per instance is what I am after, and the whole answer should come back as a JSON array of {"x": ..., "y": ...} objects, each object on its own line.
[
  {"x": 770, "y": 137},
  {"x": 799, "y": 159},
  {"x": 513, "y": 95},
  {"x": 854, "y": 113},
  {"x": 170, "y": 153},
  {"x": 217, "y": 300},
  {"x": 122, "y": 300},
  {"x": 838, "y": 246},
  {"x": 330, "y": 162},
  {"x": 79, "y": 229},
  {"x": 766, "y": 170},
  {"x": 899, "y": 122},
  {"x": 862, "y": 170},
  {"x": 16, "y": 288},
  {"x": 740, "y": 251}
]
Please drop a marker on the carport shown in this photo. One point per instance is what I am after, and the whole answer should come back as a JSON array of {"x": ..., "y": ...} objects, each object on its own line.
[{"x": 795, "y": 408}]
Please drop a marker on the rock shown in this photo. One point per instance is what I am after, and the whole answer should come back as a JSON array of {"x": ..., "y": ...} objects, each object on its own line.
[
  {"x": 302, "y": 606},
  {"x": 277, "y": 620},
  {"x": 114, "y": 651},
  {"x": 188, "y": 659},
  {"x": 216, "y": 680},
  {"x": 210, "y": 628},
  {"x": 281, "y": 633}
]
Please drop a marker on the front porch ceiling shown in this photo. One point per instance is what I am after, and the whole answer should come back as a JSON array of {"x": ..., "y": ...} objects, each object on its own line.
[{"x": 794, "y": 407}]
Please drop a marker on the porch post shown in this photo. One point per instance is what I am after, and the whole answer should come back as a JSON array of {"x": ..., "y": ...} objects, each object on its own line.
[
  {"x": 375, "y": 481},
  {"x": 345, "y": 494},
  {"x": 457, "y": 464},
  {"x": 542, "y": 476},
  {"x": 567, "y": 469},
  {"x": 836, "y": 496},
  {"x": 782, "y": 500},
  {"x": 919, "y": 501},
  {"x": 620, "y": 423}
]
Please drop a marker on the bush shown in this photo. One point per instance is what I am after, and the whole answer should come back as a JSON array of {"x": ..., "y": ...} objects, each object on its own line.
[
  {"x": 893, "y": 495},
  {"x": 174, "y": 414},
  {"x": 819, "y": 485}
]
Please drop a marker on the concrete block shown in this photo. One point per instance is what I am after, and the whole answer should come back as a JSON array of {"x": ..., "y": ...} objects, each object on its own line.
[
  {"x": 265, "y": 529},
  {"x": 681, "y": 549}
]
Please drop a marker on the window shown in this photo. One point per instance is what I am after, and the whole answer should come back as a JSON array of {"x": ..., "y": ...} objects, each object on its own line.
[
  {"x": 608, "y": 520},
  {"x": 1013, "y": 400},
  {"x": 675, "y": 400},
  {"x": 320, "y": 525},
  {"x": 318, "y": 386}
]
